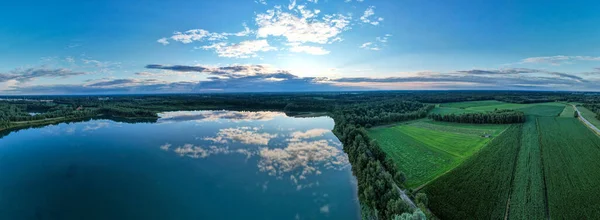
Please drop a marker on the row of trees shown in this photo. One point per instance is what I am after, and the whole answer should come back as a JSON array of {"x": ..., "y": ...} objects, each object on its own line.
[
  {"x": 376, "y": 174},
  {"x": 495, "y": 117}
]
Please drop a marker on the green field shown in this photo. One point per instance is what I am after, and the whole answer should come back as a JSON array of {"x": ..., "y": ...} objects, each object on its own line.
[
  {"x": 545, "y": 168},
  {"x": 538, "y": 109},
  {"x": 478, "y": 188},
  {"x": 471, "y": 104},
  {"x": 589, "y": 115},
  {"x": 527, "y": 200},
  {"x": 568, "y": 112},
  {"x": 570, "y": 156},
  {"x": 426, "y": 149}
]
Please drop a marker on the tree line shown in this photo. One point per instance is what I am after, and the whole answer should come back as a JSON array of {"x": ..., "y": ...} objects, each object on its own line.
[{"x": 495, "y": 117}]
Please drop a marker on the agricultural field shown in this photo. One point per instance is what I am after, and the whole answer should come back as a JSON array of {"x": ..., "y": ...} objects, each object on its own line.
[
  {"x": 538, "y": 109},
  {"x": 478, "y": 188},
  {"x": 471, "y": 104},
  {"x": 544, "y": 168},
  {"x": 426, "y": 149},
  {"x": 589, "y": 115},
  {"x": 527, "y": 199},
  {"x": 570, "y": 156},
  {"x": 568, "y": 112}
]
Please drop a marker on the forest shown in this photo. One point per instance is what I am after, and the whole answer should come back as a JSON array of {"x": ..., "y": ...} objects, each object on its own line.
[{"x": 505, "y": 116}]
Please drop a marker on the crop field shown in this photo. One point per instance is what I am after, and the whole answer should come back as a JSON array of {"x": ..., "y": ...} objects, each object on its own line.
[
  {"x": 471, "y": 104},
  {"x": 538, "y": 109},
  {"x": 425, "y": 150},
  {"x": 527, "y": 200},
  {"x": 570, "y": 156},
  {"x": 568, "y": 112},
  {"x": 478, "y": 188},
  {"x": 589, "y": 115},
  {"x": 448, "y": 110}
]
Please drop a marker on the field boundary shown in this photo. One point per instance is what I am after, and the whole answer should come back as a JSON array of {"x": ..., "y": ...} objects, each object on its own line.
[{"x": 546, "y": 205}]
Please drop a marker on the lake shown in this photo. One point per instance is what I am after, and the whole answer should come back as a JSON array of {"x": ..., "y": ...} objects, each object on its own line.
[{"x": 187, "y": 165}]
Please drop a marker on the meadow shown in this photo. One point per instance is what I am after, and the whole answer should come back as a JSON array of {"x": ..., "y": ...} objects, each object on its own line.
[{"x": 426, "y": 149}]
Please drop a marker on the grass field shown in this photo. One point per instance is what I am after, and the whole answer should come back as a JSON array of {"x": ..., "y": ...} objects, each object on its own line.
[
  {"x": 471, "y": 104},
  {"x": 425, "y": 149},
  {"x": 527, "y": 200},
  {"x": 589, "y": 115},
  {"x": 478, "y": 188},
  {"x": 538, "y": 109},
  {"x": 568, "y": 112},
  {"x": 545, "y": 168},
  {"x": 570, "y": 156}
]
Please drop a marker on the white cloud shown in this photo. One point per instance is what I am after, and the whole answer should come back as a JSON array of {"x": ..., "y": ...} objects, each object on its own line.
[
  {"x": 312, "y": 133},
  {"x": 308, "y": 49},
  {"x": 196, "y": 35},
  {"x": 243, "y": 135},
  {"x": 369, "y": 13},
  {"x": 369, "y": 46},
  {"x": 264, "y": 2},
  {"x": 244, "y": 49},
  {"x": 301, "y": 29},
  {"x": 163, "y": 41},
  {"x": 292, "y": 4},
  {"x": 233, "y": 116}
]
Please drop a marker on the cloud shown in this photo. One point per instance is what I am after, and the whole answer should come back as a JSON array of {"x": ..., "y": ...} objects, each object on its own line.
[
  {"x": 265, "y": 78},
  {"x": 559, "y": 60},
  {"x": 163, "y": 41},
  {"x": 301, "y": 29},
  {"x": 23, "y": 75},
  {"x": 366, "y": 17},
  {"x": 96, "y": 126},
  {"x": 304, "y": 156},
  {"x": 243, "y": 135},
  {"x": 500, "y": 71},
  {"x": 308, "y": 49},
  {"x": 244, "y": 49},
  {"x": 232, "y": 116},
  {"x": 228, "y": 72},
  {"x": 369, "y": 46},
  {"x": 312, "y": 133}
]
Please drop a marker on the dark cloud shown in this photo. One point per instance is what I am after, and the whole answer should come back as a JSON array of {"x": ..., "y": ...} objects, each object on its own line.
[
  {"x": 258, "y": 78},
  {"x": 177, "y": 68},
  {"x": 237, "y": 71},
  {"x": 23, "y": 75},
  {"x": 500, "y": 71}
]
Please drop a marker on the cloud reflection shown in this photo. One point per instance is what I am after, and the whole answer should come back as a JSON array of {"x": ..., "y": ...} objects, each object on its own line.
[
  {"x": 245, "y": 135},
  {"x": 201, "y": 116},
  {"x": 297, "y": 160}
]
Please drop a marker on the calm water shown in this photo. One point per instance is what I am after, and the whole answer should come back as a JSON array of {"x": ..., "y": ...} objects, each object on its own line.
[{"x": 189, "y": 165}]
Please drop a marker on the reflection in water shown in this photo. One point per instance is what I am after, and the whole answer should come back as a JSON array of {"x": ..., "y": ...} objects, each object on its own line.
[
  {"x": 245, "y": 135},
  {"x": 217, "y": 115},
  {"x": 301, "y": 157},
  {"x": 191, "y": 169}
]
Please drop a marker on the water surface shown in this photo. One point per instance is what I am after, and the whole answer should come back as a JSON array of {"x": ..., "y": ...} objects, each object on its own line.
[{"x": 188, "y": 165}]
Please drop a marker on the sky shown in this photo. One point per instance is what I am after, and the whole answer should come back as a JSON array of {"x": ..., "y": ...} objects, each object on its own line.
[{"x": 113, "y": 47}]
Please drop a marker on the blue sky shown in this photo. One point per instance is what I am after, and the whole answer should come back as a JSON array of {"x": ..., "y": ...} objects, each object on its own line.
[{"x": 79, "y": 47}]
